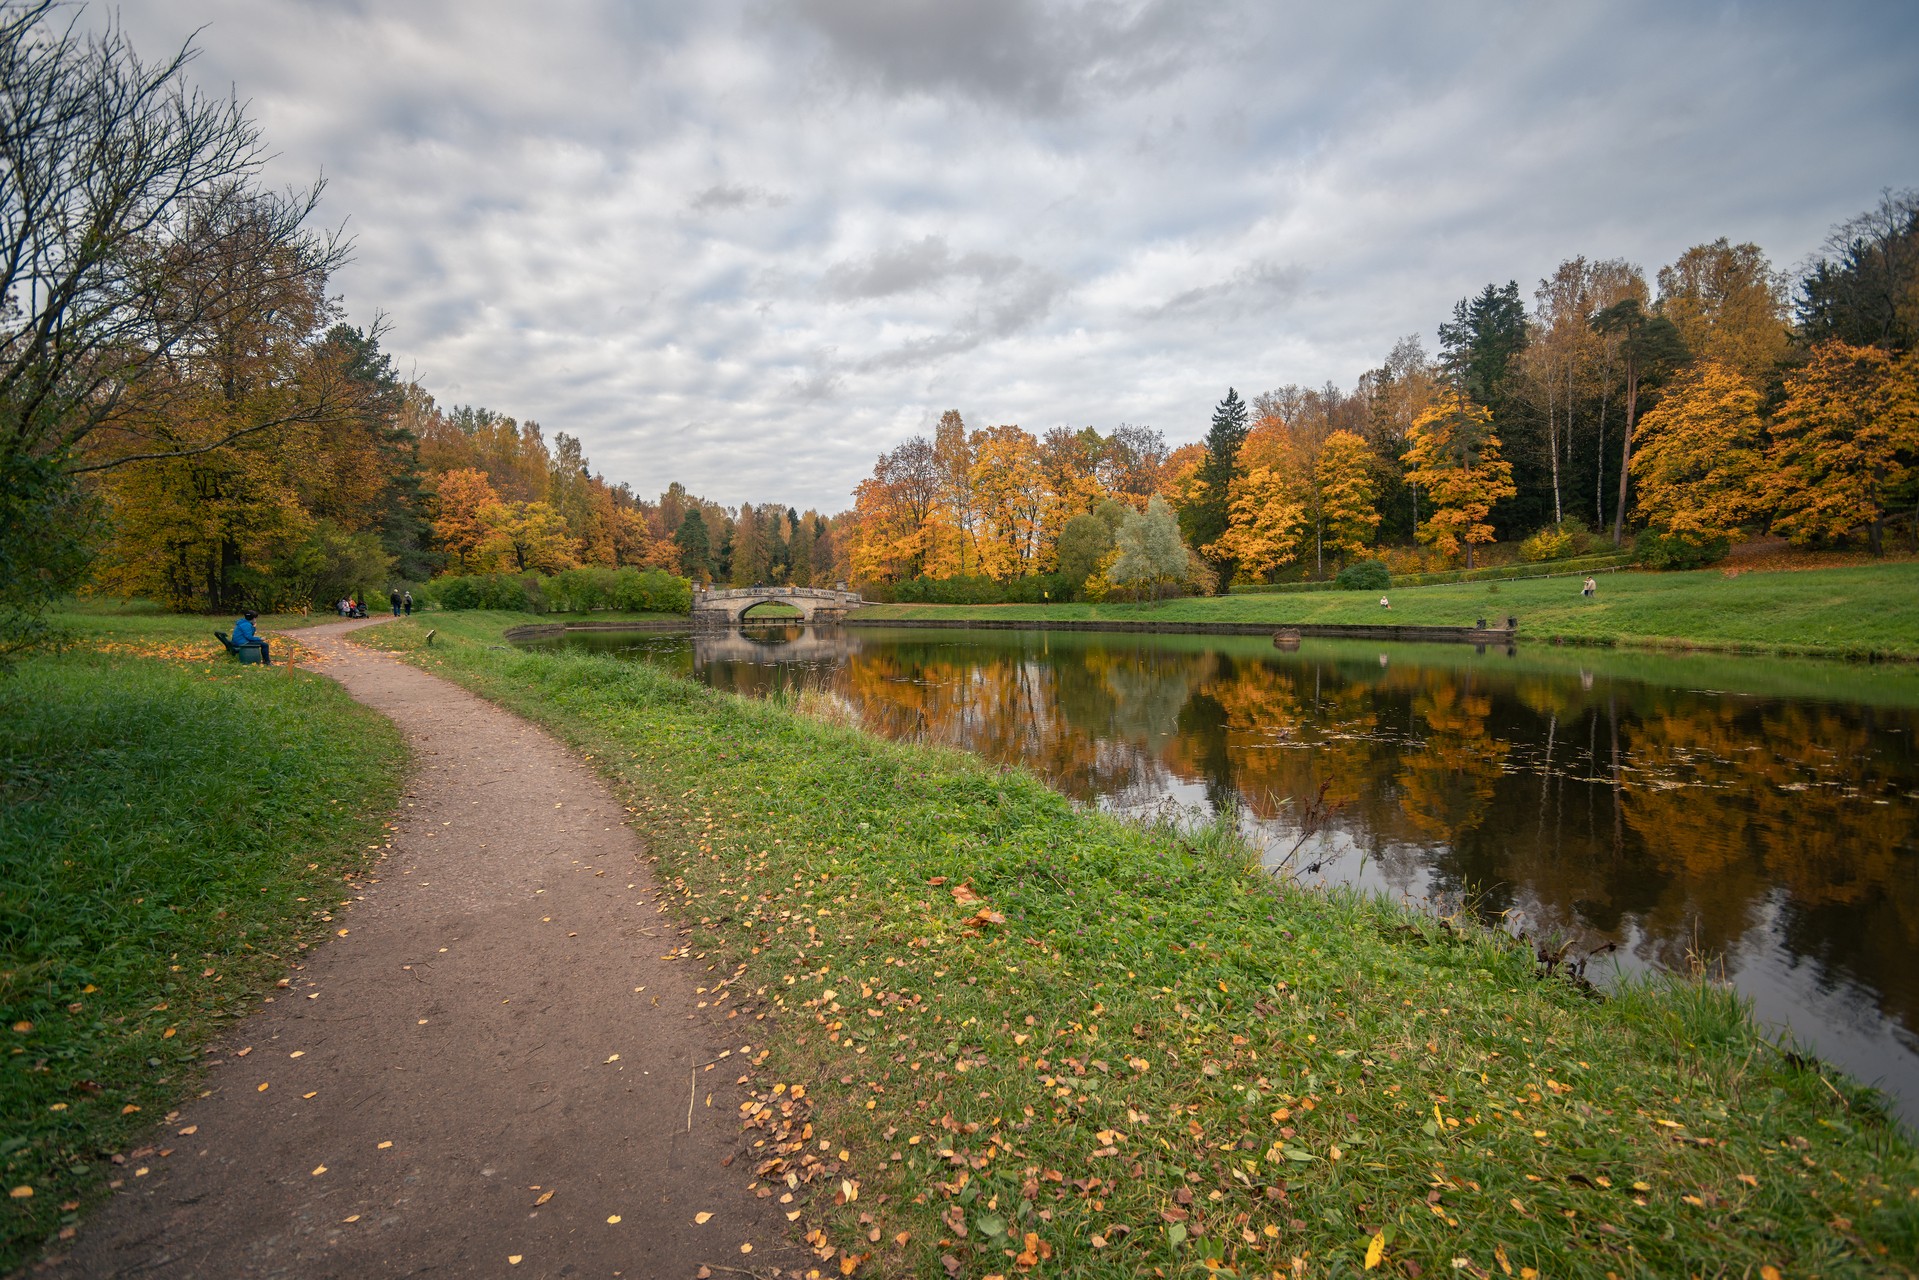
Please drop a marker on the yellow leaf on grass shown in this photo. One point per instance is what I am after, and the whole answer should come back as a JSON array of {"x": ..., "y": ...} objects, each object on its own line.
[
  {"x": 1769, "y": 1272},
  {"x": 702, "y": 1218},
  {"x": 1376, "y": 1250},
  {"x": 964, "y": 893},
  {"x": 21, "y": 1193}
]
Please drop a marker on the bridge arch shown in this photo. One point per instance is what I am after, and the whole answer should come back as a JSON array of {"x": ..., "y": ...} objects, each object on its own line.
[{"x": 727, "y": 607}]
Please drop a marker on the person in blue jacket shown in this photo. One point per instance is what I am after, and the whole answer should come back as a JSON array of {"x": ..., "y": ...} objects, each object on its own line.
[{"x": 243, "y": 633}]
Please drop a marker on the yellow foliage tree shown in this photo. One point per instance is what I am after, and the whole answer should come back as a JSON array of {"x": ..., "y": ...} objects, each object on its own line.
[
  {"x": 1701, "y": 458},
  {"x": 1341, "y": 497},
  {"x": 530, "y": 537},
  {"x": 1454, "y": 457},
  {"x": 1845, "y": 443},
  {"x": 1011, "y": 495},
  {"x": 1266, "y": 511}
]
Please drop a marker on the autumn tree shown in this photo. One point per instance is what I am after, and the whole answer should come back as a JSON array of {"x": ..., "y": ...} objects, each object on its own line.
[
  {"x": 1340, "y": 498},
  {"x": 1454, "y": 456},
  {"x": 1701, "y": 459},
  {"x": 1130, "y": 462},
  {"x": 1266, "y": 516},
  {"x": 133, "y": 223},
  {"x": 530, "y": 537},
  {"x": 1010, "y": 489},
  {"x": 953, "y": 457},
  {"x": 1845, "y": 445},
  {"x": 462, "y": 499},
  {"x": 1648, "y": 345},
  {"x": 1728, "y": 306}
]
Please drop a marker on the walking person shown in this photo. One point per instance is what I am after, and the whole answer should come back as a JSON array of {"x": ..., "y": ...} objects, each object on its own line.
[
  {"x": 1590, "y": 589},
  {"x": 406, "y": 603},
  {"x": 393, "y": 598}
]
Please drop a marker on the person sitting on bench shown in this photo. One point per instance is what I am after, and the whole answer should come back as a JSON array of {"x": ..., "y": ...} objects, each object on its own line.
[{"x": 244, "y": 634}]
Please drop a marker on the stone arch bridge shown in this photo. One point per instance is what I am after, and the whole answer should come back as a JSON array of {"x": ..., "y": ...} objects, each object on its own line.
[{"x": 729, "y": 607}]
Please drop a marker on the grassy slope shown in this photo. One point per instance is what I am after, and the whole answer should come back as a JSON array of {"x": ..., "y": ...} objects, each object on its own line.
[
  {"x": 1868, "y": 610},
  {"x": 1158, "y": 1058},
  {"x": 164, "y": 816}
]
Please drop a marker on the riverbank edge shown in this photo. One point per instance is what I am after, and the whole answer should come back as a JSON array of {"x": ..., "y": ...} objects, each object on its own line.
[
  {"x": 1409, "y": 634},
  {"x": 656, "y": 738}
]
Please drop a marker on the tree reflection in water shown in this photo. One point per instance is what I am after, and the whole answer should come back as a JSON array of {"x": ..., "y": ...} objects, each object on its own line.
[{"x": 1671, "y": 821}]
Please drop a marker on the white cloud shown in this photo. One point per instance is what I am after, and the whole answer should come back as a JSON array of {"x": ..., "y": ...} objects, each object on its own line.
[{"x": 750, "y": 245}]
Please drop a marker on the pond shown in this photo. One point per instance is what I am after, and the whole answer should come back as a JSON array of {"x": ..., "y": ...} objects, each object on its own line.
[{"x": 1646, "y": 809}]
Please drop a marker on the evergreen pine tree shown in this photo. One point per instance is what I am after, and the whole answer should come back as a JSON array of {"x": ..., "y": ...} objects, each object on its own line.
[{"x": 1205, "y": 519}]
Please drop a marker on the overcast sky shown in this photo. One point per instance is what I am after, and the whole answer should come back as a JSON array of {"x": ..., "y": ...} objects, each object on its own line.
[{"x": 750, "y": 245}]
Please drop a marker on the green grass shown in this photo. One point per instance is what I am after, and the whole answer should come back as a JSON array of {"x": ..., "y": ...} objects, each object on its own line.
[
  {"x": 1148, "y": 1034},
  {"x": 1869, "y": 611},
  {"x": 172, "y": 832}
]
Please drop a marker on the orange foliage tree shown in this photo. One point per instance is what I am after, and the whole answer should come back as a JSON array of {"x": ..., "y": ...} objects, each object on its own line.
[
  {"x": 1454, "y": 456},
  {"x": 1701, "y": 458},
  {"x": 1845, "y": 444}
]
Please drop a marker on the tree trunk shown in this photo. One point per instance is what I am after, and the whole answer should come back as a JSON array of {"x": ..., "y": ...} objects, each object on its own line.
[
  {"x": 1552, "y": 444},
  {"x": 1625, "y": 453}
]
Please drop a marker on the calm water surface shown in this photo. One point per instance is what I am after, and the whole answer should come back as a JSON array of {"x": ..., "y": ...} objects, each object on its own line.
[{"x": 1763, "y": 812}]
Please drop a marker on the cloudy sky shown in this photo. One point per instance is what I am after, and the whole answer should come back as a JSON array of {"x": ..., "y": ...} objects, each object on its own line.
[{"x": 749, "y": 244}]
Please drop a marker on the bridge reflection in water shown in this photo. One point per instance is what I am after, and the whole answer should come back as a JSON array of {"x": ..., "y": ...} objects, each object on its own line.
[{"x": 778, "y": 644}]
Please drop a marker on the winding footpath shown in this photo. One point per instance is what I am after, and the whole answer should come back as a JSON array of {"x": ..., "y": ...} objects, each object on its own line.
[{"x": 491, "y": 1069}]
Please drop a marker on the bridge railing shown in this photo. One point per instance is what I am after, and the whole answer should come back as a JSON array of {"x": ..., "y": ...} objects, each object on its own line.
[{"x": 778, "y": 593}]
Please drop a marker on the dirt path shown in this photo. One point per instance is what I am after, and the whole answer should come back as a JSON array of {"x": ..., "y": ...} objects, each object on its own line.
[{"x": 490, "y": 1070}]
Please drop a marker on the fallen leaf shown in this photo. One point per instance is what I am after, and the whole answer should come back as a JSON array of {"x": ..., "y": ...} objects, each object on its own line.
[
  {"x": 512, "y": 1259},
  {"x": 384, "y": 1145},
  {"x": 351, "y": 1218},
  {"x": 544, "y": 1197},
  {"x": 318, "y": 1170},
  {"x": 964, "y": 893},
  {"x": 702, "y": 1218},
  {"x": 21, "y": 1193},
  {"x": 261, "y": 1089},
  {"x": 1376, "y": 1250},
  {"x": 612, "y": 1219}
]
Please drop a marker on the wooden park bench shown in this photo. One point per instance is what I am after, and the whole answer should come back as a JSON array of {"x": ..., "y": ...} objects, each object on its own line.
[{"x": 244, "y": 652}]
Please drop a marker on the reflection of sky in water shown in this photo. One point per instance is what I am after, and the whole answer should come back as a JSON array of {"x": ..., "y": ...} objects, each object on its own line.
[{"x": 1597, "y": 798}]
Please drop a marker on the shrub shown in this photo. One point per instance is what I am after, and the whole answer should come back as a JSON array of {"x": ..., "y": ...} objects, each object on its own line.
[
  {"x": 1364, "y": 575},
  {"x": 586, "y": 590},
  {"x": 1548, "y": 544},
  {"x": 1658, "y": 550}
]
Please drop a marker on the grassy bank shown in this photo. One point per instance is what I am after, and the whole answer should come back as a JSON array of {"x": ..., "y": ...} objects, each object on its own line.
[
  {"x": 173, "y": 829},
  {"x": 1868, "y": 611},
  {"x": 992, "y": 1033}
]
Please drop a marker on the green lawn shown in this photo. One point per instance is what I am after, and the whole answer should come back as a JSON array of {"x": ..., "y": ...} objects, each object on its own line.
[
  {"x": 1871, "y": 610},
  {"x": 174, "y": 828},
  {"x": 992, "y": 1031}
]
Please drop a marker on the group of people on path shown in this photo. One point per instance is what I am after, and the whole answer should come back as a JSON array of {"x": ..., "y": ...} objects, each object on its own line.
[{"x": 402, "y": 602}]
